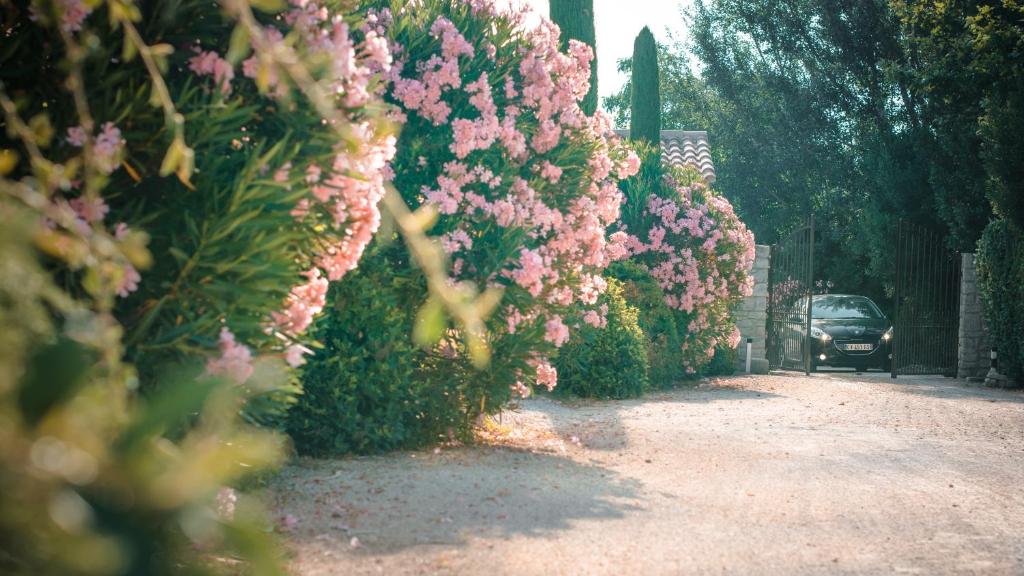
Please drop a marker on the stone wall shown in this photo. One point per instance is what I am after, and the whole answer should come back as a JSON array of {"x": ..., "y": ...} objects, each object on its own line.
[
  {"x": 752, "y": 316},
  {"x": 973, "y": 360}
]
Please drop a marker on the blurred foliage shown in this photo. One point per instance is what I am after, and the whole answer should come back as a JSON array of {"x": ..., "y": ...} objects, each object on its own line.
[
  {"x": 608, "y": 362},
  {"x": 92, "y": 479},
  {"x": 227, "y": 249},
  {"x": 1000, "y": 265}
]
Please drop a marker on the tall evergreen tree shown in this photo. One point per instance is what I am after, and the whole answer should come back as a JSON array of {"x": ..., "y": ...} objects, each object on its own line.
[
  {"x": 645, "y": 102},
  {"x": 576, "y": 19}
]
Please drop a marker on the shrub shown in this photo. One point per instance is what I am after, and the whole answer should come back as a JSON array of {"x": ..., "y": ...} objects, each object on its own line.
[
  {"x": 659, "y": 323},
  {"x": 608, "y": 361},
  {"x": 697, "y": 250},
  {"x": 524, "y": 182},
  {"x": 723, "y": 363},
  {"x": 367, "y": 389},
  {"x": 1000, "y": 264},
  {"x": 277, "y": 205}
]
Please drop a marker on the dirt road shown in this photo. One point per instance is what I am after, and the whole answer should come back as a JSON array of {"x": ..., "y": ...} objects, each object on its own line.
[{"x": 833, "y": 474}]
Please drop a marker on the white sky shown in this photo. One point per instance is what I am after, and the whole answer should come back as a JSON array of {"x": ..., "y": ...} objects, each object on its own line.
[{"x": 617, "y": 23}]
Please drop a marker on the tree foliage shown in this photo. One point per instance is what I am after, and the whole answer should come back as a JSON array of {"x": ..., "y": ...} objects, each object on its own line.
[
  {"x": 576, "y": 20},
  {"x": 645, "y": 95},
  {"x": 819, "y": 107}
]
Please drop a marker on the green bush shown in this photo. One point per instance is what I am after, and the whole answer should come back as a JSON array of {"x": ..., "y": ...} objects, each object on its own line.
[
  {"x": 608, "y": 362},
  {"x": 366, "y": 390},
  {"x": 659, "y": 322},
  {"x": 723, "y": 363},
  {"x": 1000, "y": 264}
]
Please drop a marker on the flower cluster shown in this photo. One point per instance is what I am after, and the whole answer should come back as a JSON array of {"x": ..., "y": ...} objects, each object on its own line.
[
  {"x": 525, "y": 182},
  {"x": 343, "y": 195},
  {"x": 700, "y": 254}
]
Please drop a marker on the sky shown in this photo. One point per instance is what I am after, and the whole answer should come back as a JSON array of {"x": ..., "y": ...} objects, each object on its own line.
[{"x": 617, "y": 23}]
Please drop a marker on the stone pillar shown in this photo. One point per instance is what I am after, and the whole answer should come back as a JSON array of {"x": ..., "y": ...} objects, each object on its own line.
[
  {"x": 752, "y": 316},
  {"x": 974, "y": 344}
]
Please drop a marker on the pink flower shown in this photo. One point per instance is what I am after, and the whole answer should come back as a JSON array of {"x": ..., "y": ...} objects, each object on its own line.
[
  {"x": 130, "y": 279},
  {"x": 73, "y": 14},
  {"x": 547, "y": 375},
  {"x": 235, "y": 361},
  {"x": 209, "y": 63},
  {"x": 556, "y": 331},
  {"x": 108, "y": 147},
  {"x": 76, "y": 136},
  {"x": 296, "y": 355},
  {"x": 90, "y": 209}
]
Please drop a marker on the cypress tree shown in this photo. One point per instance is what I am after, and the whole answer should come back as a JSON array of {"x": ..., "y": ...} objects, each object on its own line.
[
  {"x": 576, "y": 19},
  {"x": 645, "y": 100}
]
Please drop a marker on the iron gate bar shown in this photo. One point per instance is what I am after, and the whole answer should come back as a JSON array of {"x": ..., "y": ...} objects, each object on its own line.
[
  {"x": 926, "y": 303},
  {"x": 790, "y": 291},
  {"x": 810, "y": 299}
]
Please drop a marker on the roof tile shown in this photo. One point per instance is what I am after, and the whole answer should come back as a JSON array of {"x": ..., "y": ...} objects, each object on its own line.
[{"x": 685, "y": 148}]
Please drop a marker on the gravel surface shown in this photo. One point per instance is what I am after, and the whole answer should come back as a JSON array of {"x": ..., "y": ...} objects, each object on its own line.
[{"x": 832, "y": 474}]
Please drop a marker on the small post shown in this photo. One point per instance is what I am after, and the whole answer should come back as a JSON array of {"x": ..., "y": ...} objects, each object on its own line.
[
  {"x": 993, "y": 358},
  {"x": 750, "y": 343}
]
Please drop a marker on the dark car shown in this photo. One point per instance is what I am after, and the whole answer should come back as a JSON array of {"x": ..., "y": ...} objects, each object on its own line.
[
  {"x": 846, "y": 331},
  {"x": 849, "y": 331}
]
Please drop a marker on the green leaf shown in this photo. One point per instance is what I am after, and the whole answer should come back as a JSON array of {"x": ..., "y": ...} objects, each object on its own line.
[{"x": 430, "y": 323}]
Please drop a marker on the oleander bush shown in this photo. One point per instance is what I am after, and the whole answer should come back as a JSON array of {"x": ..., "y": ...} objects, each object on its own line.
[
  {"x": 690, "y": 241},
  {"x": 609, "y": 360},
  {"x": 1000, "y": 264},
  {"x": 171, "y": 211},
  {"x": 250, "y": 203},
  {"x": 524, "y": 186}
]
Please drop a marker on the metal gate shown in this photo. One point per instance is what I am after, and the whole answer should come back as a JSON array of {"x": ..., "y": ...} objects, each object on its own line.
[
  {"x": 926, "y": 304},
  {"x": 790, "y": 287}
]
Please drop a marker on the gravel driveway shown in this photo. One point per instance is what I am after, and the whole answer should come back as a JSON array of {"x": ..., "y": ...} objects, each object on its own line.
[{"x": 832, "y": 474}]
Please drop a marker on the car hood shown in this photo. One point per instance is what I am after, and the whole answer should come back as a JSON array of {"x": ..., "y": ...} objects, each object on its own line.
[{"x": 853, "y": 327}]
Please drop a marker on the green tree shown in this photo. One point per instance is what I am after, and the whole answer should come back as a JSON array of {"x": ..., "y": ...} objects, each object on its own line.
[
  {"x": 811, "y": 108},
  {"x": 576, "y": 19},
  {"x": 645, "y": 98}
]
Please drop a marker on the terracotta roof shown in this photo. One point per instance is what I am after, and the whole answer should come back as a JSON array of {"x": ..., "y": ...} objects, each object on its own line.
[{"x": 685, "y": 148}]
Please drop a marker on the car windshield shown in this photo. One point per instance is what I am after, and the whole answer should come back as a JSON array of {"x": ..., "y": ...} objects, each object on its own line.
[{"x": 845, "y": 307}]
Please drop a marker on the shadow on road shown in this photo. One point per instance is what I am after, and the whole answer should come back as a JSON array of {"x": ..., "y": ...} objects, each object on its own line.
[{"x": 401, "y": 501}]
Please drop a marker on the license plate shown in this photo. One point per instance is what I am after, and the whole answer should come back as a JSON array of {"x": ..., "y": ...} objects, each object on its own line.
[{"x": 867, "y": 347}]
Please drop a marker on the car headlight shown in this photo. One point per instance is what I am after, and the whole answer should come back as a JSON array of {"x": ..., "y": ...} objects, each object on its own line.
[
  {"x": 820, "y": 334},
  {"x": 888, "y": 335}
]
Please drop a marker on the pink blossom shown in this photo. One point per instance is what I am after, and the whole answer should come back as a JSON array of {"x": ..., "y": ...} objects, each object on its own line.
[
  {"x": 76, "y": 136},
  {"x": 556, "y": 332},
  {"x": 547, "y": 375},
  {"x": 209, "y": 63},
  {"x": 73, "y": 14},
  {"x": 235, "y": 361},
  {"x": 90, "y": 209},
  {"x": 130, "y": 279}
]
